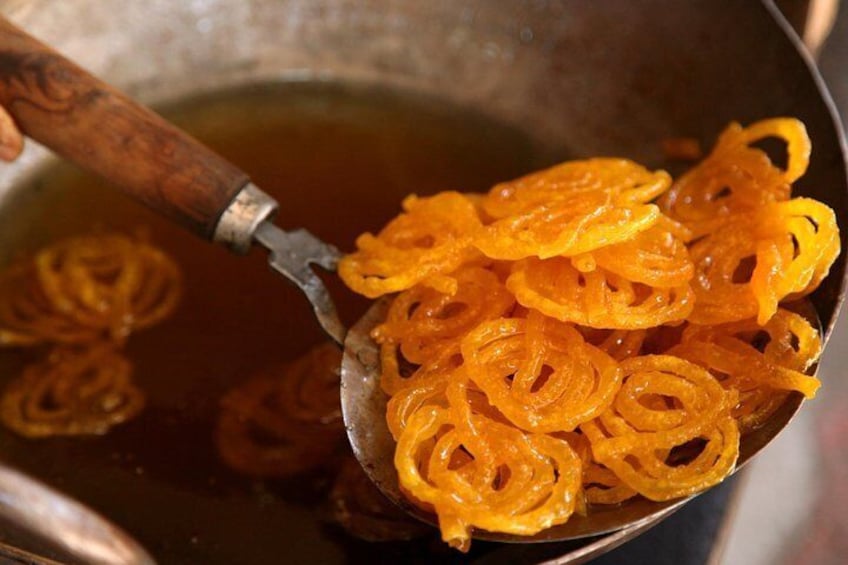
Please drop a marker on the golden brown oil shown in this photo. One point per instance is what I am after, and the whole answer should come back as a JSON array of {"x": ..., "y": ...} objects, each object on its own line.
[{"x": 339, "y": 160}]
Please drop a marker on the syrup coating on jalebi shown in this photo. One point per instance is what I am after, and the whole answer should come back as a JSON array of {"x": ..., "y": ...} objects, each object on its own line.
[
  {"x": 86, "y": 286},
  {"x": 430, "y": 240},
  {"x": 476, "y": 472},
  {"x": 598, "y": 298},
  {"x": 737, "y": 178},
  {"x": 791, "y": 246},
  {"x": 541, "y": 374},
  {"x": 567, "y": 227},
  {"x": 732, "y": 352},
  {"x": 636, "y": 436},
  {"x": 73, "y": 392},
  {"x": 422, "y": 321},
  {"x": 287, "y": 420},
  {"x": 623, "y": 180}
]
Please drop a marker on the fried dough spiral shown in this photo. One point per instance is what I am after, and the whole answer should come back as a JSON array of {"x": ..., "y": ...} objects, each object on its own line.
[
  {"x": 540, "y": 374},
  {"x": 737, "y": 178},
  {"x": 84, "y": 287},
  {"x": 477, "y": 472},
  {"x": 73, "y": 392},
  {"x": 84, "y": 296},
  {"x": 285, "y": 421},
  {"x": 636, "y": 436},
  {"x": 430, "y": 240},
  {"x": 611, "y": 321},
  {"x": 598, "y": 299},
  {"x": 422, "y": 322},
  {"x": 791, "y": 246},
  {"x": 762, "y": 378}
]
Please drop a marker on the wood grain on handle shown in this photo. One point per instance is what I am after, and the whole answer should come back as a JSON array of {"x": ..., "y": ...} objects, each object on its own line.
[{"x": 87, "y": 121}]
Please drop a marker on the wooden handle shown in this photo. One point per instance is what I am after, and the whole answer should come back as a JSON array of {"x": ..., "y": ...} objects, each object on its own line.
[{"x": 94, "y": 125}]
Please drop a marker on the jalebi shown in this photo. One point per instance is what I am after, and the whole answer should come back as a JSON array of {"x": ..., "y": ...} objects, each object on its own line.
[
  {"x": 761, "y": 363},
  {"x": 737, "y": 178},
  {"x": 422, "y": 321},
  {"x": 426, "y": 243},
  {"x": 541, "y": 374},
  {"x": 666, "y": 403},
  {"x": 598, "y": 298},
  {"x": 84, "y": 287},
  {"x": 73, "y": 392},
  {"x": 600, "y": 347},
  {"x": 476, "y": 472},
  {"x": 745, "y": 268},
  {"x": 286, "y": 420},
  {"x": 623, "y": 180}
]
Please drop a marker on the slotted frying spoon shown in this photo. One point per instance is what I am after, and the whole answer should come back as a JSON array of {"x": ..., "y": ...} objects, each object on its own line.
[{"x": 85, "y": 120}]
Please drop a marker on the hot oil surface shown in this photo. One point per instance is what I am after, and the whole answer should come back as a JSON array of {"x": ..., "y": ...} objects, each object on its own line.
[{"x": 339, "y": 160}]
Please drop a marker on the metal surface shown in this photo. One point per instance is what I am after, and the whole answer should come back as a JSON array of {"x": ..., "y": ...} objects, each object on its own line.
[
  {"x": 65, "y": 522},
  {"x": 239, "y": 221},
  {"x": 292, "y": 254},
  {"x": 658, "y": 68}
]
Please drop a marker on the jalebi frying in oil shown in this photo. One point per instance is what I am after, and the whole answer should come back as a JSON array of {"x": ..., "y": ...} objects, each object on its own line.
[
  {"x": 86, "y": 287},
  {"x": 82, "y": 296},
  {"x": 286, "y": 420},
  {"x": 72, "y": 392},
  {"x": 594, "y": 332}
]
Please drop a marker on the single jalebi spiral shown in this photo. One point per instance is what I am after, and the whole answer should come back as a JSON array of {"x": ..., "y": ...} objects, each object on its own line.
[
  {"x": 285, "y": 421},
  {"x": 737, "y": 178},
  {"x": 747, "y": 267},
  {"x": 426, "y": 243},
  {"x": 422, "y": 321},
  {"x": 566, "y": 227},
  {"x": 541, "y": 374},
  {"x": 73, "y": 392},
  {"x": 476, "y": 472},
  {"x": 85, "y": 287},
  {"x": 598, "y": 298},
  {"x": 625, "y": 181},
  {"x": 762, "y": 363},
  {"x": 666, "y": 404}
]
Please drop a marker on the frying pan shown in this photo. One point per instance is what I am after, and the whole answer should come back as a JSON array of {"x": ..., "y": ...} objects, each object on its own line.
[{"x": 594, "y": 78}]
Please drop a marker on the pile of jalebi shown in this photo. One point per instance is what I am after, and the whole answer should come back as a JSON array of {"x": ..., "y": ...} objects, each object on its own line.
[
  {"x": 84, "y": 296},
  {"x": 593, "y": 332},
  {"x": 287, "y": 420}
]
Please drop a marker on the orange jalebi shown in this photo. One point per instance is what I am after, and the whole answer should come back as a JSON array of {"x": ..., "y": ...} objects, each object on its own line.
[
  {"x": 426, "y": 243},
  {"x": 737, "y": 178},
  {"x": 597, "y": 298},
  {"x": 541, "y": 374},
  {"x": 72, "y": 393},
  {"x": 83, "y": 287},
  {"x": 477, "y": 472},
  {"x": 83, "y": 295},
  {"x": 666, "y": 403},
  {"x": 745, "y": 268},
  {"x": 599, "y": 346},
  {"x": 422, "y": 321},
  {"x": 761, "y": 363}
]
